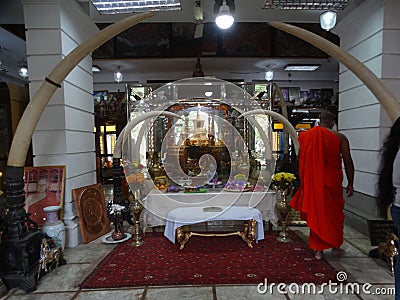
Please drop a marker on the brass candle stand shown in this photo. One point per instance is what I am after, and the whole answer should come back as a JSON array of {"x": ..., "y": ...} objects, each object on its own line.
[
  {"x": 136, "y": 209},
  {"x": 284, "y": 210}
]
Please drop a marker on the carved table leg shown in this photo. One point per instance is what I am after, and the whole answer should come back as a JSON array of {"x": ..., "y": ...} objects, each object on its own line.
[
  {"x": 182, "y": 237},
  {"x": 249, "y": 233}
]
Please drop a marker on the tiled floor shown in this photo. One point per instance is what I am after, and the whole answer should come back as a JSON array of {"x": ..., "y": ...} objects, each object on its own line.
[{"x": 63, "y": 282}]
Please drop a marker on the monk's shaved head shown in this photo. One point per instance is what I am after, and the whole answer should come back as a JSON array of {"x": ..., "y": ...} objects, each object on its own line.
[{"x": 328, "y": 119}]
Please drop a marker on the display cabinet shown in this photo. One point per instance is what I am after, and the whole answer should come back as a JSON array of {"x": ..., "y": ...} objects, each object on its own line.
[{"x": 110, "y": 117}]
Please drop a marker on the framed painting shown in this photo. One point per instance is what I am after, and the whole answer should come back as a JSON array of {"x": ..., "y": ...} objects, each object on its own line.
[
  {"x": 100, "y": 99},
  {"x": 100, "y": 96},
  {"x": 44, "y": 186},
  {"x": 91, "y": 210},
  {"x": 304, "y": 95},
  {"x": 285, "y": 92}
]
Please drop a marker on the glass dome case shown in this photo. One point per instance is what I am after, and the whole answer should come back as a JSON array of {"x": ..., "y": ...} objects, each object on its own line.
[{"x": 192, "y": 133}]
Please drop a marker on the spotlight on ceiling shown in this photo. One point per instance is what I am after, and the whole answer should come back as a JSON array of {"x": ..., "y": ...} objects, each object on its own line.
[
  {"x": 117, "y": 75},
  {"x": 224, "y": 11},
  {"x": 23, "y": 72},
  {"x": 327, "y": 19}
]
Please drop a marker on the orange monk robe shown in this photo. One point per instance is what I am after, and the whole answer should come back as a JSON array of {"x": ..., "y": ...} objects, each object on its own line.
[{"x": 320, "y": 196}]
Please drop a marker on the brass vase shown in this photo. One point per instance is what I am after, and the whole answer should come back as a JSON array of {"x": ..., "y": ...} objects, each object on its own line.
[
  {"x": 283, "y": 208},
  {"x": 156, "y": 169}
]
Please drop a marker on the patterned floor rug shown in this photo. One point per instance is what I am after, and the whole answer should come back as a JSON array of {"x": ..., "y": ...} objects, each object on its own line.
[{"x": 209, "y": 260}]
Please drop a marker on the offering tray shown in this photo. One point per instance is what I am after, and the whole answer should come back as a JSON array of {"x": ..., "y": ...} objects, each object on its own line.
[{"x": 107, "y": 239}]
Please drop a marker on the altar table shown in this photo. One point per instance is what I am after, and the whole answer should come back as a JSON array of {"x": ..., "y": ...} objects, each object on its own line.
[
  {"x": 179, "y": 217},
  {"x": 157, "y": 204}
]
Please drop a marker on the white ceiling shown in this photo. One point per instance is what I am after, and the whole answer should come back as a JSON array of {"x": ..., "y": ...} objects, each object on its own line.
[{"x": 12, "y": 48}]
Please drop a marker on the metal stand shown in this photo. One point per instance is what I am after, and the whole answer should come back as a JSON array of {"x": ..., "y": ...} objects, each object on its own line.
[
  {"x": 136, "y": 209},
  {"x": 117, "y": 191},
  {"x": 283, "y": 209}
]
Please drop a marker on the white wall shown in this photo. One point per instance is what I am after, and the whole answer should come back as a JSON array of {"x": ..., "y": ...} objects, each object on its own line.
[
  {"x": 64, "y": 133},
  {"x": 369, "y": 34}
]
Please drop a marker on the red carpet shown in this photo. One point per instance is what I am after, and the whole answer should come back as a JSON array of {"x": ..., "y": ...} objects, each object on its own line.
[{"x": 209, "y": 260}]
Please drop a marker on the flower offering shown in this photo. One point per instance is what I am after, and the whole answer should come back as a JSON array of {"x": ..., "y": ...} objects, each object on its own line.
[
  {"x": 133, "y": 172},
  {"x": 285, "y": 182}
]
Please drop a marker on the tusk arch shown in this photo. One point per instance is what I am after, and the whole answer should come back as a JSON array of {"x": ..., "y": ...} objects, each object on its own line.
[
  {"x": 132, "y": 124},
  {"x": 285, "y": 114},
  {"x": 264, "y": 137},
  {"x": 279, "y": 117},
  {"x": 27, "y": 124},
  {"x": 373, "y": 83}
]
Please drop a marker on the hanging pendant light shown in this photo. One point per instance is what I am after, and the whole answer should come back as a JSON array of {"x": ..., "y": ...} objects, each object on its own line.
[
  {"x": 269, "y": 74},
  {"x": 117, "y": 75},
  {"x": 224, "y": 18}
]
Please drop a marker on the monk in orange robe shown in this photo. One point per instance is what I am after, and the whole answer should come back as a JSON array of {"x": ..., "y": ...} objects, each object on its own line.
[
  {"x": 35, "y": 203},
  {"x": 320, "y": 196}
]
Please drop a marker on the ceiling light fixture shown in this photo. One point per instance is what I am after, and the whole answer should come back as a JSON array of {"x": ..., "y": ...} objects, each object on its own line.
[
  {"x": 301, "y": 67},
  {"x": 327, "y": 19},
  {"x": 23, "y": 72},
  {"x": 308, "y": 5},
  {"x": 269, "y": 75},
  {"x": 224, "y": 10},
  {"x": 96, "y": 69},
  {"x": 135, "y": 6},
  {"x": 117, "y": 75}
]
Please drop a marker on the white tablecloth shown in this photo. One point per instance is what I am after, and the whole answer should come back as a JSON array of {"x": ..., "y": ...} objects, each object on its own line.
[
  {"x": 157, "y": 205},
  {"x": 191, "y": 215}
]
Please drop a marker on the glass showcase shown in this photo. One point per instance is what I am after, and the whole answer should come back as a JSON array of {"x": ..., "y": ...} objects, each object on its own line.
[{"x": 207, "y": 137}]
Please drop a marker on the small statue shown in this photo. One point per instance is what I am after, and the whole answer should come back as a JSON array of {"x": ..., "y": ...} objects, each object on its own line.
[
  {"x": 389, "y": 249},
  {"x": 50, "y": 257}
]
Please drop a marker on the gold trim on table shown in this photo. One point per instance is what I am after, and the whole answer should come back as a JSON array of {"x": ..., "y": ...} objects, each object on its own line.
[{"x": 248, "y": 234}]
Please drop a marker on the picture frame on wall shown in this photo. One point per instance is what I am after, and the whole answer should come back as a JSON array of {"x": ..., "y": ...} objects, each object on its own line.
[
  {"x": 100, "y": 99},
  {"x": 100, "y": 96},
  {"x": 304, "y": 95},
  {"x": 285, "y": 92},
  {"x": 294, "y": 94},
  {"x": 44, "y": 186}
]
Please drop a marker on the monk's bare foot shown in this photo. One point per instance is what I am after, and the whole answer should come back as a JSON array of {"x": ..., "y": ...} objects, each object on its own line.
[
  {"x": 338, "y": 251},
  {"x": 318, "y": 254}
]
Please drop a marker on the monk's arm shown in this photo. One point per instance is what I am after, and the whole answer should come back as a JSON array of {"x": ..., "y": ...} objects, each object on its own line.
[{"x": 348, "y": 164}]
